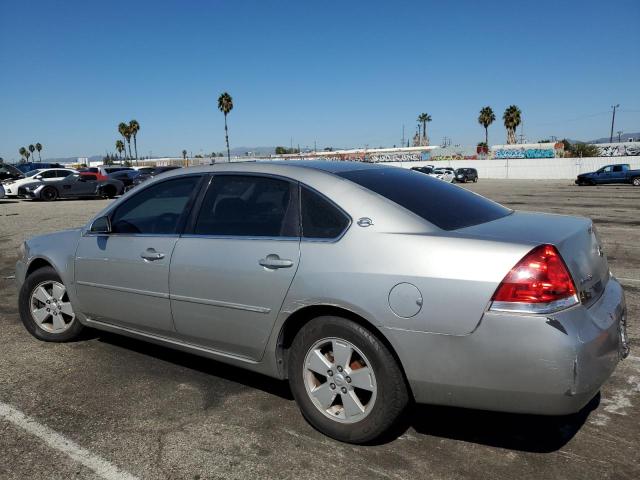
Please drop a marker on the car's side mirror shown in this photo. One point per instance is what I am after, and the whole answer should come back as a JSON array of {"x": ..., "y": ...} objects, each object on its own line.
[{"x": 101, "y": 225}]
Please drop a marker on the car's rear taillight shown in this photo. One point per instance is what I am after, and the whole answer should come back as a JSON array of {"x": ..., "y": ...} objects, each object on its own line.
[{"x": 539, "y": 283}]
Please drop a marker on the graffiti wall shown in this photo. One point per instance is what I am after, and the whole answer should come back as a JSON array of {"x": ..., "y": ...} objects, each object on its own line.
[
  {"x": 524, "y": 153},
  {"x": 532, "y": 150},
  {"x": 619, "y": 149}
]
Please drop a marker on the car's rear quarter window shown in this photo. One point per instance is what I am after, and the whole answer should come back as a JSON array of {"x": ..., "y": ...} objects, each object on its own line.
[{"x": 446, "y": 206}]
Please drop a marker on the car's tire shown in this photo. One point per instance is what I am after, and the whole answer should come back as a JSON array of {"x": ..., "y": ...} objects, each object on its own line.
[
  {"x": 49, "y": 194},
  {"x": 54, "y": 321},
  {"x": 375, "y": 400},
  {"x": 635, "y": 181},
  {"x": 108, "y": 191},
  {"x": 475, "y": 180}
]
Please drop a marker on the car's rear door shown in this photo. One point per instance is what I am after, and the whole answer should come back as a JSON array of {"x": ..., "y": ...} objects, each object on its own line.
[
  {"x": 122, "y": 278},
  {"x": 231, "y": 271}
]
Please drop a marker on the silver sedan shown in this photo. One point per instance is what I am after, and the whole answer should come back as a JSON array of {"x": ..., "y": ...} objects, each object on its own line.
[{"x": 367, "y": 287}]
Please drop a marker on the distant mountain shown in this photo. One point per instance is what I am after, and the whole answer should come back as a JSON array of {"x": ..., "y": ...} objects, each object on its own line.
[{"x": 623, "y": 138}]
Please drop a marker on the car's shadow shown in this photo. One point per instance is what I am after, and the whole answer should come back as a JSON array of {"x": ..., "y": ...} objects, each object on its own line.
[{"x": 529, "y": 433}]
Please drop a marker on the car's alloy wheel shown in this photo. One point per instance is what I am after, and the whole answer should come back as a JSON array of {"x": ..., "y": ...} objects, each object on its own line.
[
  {"x": 45, "y": 307},
  {"x": 339, "y": 380},
  {"x": 49, "y": 194},
  {"x": 51, "y": 308},
  {"x": 345, "y": 380},
  {"x": 636, "y": 181}
]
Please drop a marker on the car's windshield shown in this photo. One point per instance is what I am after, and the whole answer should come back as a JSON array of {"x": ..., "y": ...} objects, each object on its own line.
[{"x": 440, "y": 203}]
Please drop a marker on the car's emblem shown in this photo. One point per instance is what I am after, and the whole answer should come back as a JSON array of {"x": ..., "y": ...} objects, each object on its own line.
[{"x": 365, "y": 222}]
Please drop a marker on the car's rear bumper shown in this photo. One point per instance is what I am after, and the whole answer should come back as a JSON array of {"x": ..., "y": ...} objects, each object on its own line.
[{"x": 551, "y": 365}]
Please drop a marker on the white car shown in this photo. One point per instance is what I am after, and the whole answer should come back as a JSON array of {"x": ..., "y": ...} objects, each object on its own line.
[
  {"x": 443, "y": 174},
  {"x": 34, "y": 176}
]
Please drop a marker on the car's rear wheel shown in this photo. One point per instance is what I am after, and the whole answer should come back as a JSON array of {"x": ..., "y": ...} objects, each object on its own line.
[
  {"x": 345, "y": 380},
  {"x": 45, "y": 308},
  {"x": 636, "y": 181},
  {"x": 49, "y": 194},
  {"x": 109, "y": 191},
  {"x": 475, "y": 180}
]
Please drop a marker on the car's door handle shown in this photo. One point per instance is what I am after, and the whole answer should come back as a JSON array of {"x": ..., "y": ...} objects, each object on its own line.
[
  {"x": 274, "y": 261},
  {"x": 151, "y": 255}
]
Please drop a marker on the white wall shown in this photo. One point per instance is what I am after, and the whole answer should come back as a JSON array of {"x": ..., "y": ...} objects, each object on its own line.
[{"x": 530, "y": 168}]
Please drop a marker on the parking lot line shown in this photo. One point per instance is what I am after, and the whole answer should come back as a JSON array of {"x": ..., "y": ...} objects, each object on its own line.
[{"x": 100, "y": 466}]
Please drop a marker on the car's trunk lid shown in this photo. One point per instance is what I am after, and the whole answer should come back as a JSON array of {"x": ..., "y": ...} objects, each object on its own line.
[{"x": 575, "y": 238}]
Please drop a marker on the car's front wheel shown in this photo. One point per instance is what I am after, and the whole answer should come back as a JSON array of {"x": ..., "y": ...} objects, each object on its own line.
[
  {"x": 45, "y": 308},
  {"x": 636, "y": 181},
  {"x": 345, "y": 380}
]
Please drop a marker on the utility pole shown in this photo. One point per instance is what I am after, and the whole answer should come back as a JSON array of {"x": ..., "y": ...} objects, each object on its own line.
[
  {"x": 613, "y": 119},
  {"x": 402, "y": 142},
  {"x": 619, "y": 132}
]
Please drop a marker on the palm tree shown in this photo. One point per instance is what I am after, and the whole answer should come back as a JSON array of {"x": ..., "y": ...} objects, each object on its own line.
[
  {"x": 32, "y": 148},
  {"x": 485, "y": 119},
  {"x": 39, "y": 149},
  {"x": 184, "y": 157},
  {"x": 225, "y": 105},
  {"x": 23, "y": 153},
  {"x": 512, "y": 118},
  {"x": 123, "y": 129},
  {"x": 134, "y": 128},
  {"x": 120, "y": 147},
  {"x": 424, "y": 118}
]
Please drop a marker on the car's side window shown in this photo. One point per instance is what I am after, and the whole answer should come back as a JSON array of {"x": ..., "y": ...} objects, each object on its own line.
[
  {"x": 48, "y": 174},
  {"x": 249, "y": 206},
  {"x": 320, "y": 218},
  {"x": 156, "y": 209},
  {"x": 63, "y": 173},
  {"x": 617, "y": 168},
  {"x": 607, "y": 169}
]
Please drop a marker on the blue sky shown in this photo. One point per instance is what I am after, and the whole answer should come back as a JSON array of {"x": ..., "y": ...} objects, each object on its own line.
[{"x": 338, "y": 73}]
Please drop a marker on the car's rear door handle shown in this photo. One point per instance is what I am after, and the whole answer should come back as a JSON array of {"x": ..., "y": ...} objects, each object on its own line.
[
  {"x": 274, "y": 261},
  {"x": 151, "y": 255}
]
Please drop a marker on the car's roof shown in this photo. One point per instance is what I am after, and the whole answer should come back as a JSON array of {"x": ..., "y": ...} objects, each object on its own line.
[{"x": 279, "y": 166}]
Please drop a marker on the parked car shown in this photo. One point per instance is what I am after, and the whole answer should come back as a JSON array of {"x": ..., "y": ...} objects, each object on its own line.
[
  {"x": 105, "y": 169},
  {"x": 127, "y": 177},
  {"x": 144, "y": 169},
  {"x": 9, "y": 172},
  {"x": 338, "y": 276},
  {"x": 73, "y": 186},
  {"x": 37, "y": 176},
  {"x": 143, "y": 177},
  {"x": 619, "y": 173},
  {"x": 426, "y": 169},
  {"x": 443, "y": 174},
  {"x": 98, "y": 176},
  {"x": 28, "y": 166},
  {"x": 464, "y": 175}
]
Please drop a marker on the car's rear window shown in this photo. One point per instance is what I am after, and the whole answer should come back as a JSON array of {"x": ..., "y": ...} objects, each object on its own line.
[{"x": 446, "y": 206}]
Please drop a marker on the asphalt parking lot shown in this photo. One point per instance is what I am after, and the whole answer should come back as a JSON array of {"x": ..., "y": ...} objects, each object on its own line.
[{"x": 151, "y": 412}]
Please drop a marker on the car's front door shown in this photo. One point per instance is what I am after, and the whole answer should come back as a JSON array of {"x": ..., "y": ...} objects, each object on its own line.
[
  {"x": 122, "y": 277},
  {"x": 77, "y": 185},
  {"x": 231, "y": 270}
]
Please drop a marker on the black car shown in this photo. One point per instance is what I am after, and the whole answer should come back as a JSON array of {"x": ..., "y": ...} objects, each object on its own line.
[
  {"x": 156, "y": 171},
  {"x": 464, "y": 175},
  {"x": 9, "y": 172},
  {"x": 127, "y": 177}
]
